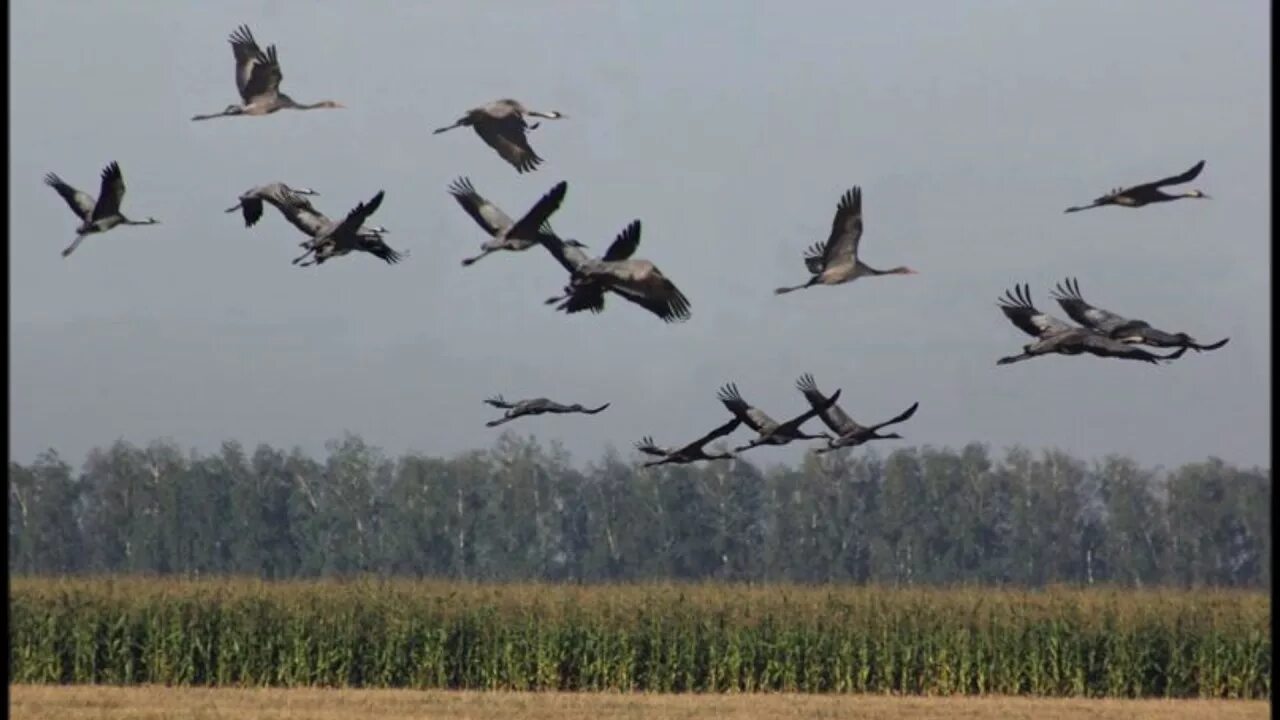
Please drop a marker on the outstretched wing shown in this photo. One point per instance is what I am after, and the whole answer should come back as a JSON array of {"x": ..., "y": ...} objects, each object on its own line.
[
  {"x": 529, "y": 226},
  {"x": 625, "y": 244},
  {"x": 719, "y": 432},
  {"x": 111, "y": 193},
  {"x": 832, "y": 416},
  {"x": 1068, "y": 296},
  {"x": 904, "y": 415},
  {"x": 794, "y": 423},
  {"x": 568, "y": 260},
  {"x": 507, "y": 136},
  {"x": 540, "y": 405},
  {"x": 646, "y": 446},
  {"x": 1018, "y": 308},
  {"x": 486, "y": 214},
  {"x": 373, "y": 244},
  {"x": 846, "y": 230},
  {"x": 350, "y": 225},
  {"x": 81, "y": 203},
  {"x": 755, "y": 418},
  {"x": 659, "y": 296},
  {"x": 362, "y": 212},
  {"x": 1180, "y": 178},
  {"x": 1148, "y": 187},
  {"x": 498, "y": 402}
]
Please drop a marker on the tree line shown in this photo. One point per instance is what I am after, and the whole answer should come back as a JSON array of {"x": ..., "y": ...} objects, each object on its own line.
[{"x": 519, "y": 511}]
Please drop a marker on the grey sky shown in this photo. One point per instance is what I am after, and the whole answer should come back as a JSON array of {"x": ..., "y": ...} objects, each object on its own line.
[{"x": 730, "y": 129}]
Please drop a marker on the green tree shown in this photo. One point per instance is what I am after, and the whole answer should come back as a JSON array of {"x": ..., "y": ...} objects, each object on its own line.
[{"x": 44, "y": 534}]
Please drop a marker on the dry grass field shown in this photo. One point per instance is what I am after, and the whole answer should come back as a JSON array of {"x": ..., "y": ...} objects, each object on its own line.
[{"x": 82, "y": 702}]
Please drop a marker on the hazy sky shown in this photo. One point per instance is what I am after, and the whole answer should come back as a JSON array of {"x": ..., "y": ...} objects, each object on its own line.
[{"x": 730, "y": 129}]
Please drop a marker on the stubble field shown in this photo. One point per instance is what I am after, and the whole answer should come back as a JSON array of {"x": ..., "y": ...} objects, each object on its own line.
[{"x": 82, "y": 702}]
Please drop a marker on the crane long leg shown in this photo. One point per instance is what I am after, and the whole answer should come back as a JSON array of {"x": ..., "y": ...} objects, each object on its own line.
[
  {"x": 567, "y": 293},
  {"x": 71, "y": 248},
  {"x": 1014, "y": 359},
  {"x": 471, "y": 260},
  {"x": 783, "y": 290},
  {"x": 499, "y": 421}
]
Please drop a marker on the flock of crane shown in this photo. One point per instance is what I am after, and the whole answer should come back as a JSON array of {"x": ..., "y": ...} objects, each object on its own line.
[{"x": 502, "y": 125}]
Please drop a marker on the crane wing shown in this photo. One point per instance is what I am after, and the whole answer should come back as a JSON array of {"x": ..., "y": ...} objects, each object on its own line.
[
  {"x": 1018, "y": 308},
  {"x": 251, "y": 209},
  {"x": 846, "y": 229},
  {"x": 486, "y": 214},
  {"x": 299, "y": 212},
  {"x": 1180, "y": 178},
  {"x": 659, "y": 296},
  {"x": 832, "y": 416},
  {"x": 755, "y": 418},
  {"x": 373, "y": 244},
  {"x": 264, "y": 77},
  {"x": 282, "y": 195},
  {"x": 624, "y": 246},
  {"x": 346, "y": 231},
  {"x": 528, "y": 227},
  {"x": 647, "y": 446},
  {"x": 814, "y": 256},
  {"x": 794, "y": 423},
  {"x": 719, "y": 432},
  {"x": 1103, "y": 346},
  {"x": 568, "y": 260},
  {"x": 81, "y": 203},
  {"x": 904, "y": 415},
  {"x": 507, "y": 136},
  {"x": 584, "y": 297},
  {"x": 111, "y": 193},
  {"x": 246, "y": 51},
  {"x": 1068, "y": 296}
]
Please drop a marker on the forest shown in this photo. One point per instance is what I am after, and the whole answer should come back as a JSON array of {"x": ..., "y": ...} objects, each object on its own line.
[{"x": 521, "y": 511}]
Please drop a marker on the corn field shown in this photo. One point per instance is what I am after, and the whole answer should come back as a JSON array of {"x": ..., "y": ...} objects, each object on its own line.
[{"x": 657, "y": 638}]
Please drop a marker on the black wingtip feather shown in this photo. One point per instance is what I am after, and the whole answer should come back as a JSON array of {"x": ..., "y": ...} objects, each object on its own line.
[{"x": 462, "y": 187}]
